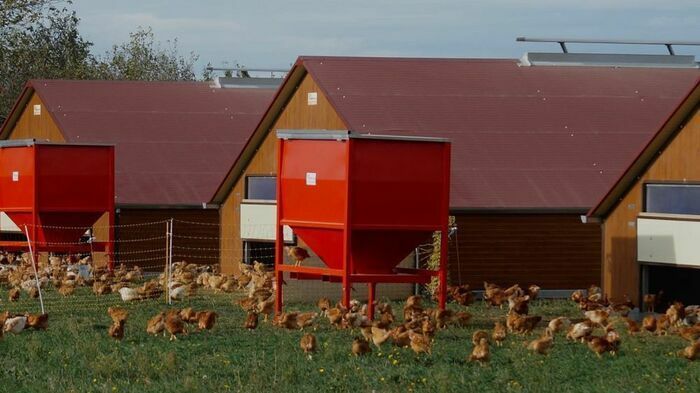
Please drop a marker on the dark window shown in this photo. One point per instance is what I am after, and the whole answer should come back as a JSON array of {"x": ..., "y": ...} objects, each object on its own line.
[
  {"x": 263, "y": 252},
  {"x": 261, "y": 187},
  {"x": 672, "y": 198}
]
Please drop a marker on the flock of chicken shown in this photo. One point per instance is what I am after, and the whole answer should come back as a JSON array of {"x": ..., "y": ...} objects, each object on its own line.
[{"x": 417, "y": 330}]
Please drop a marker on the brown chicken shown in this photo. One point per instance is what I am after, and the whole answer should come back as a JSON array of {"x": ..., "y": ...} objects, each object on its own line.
[
  {"x": 305, "y": 319},
  {"x": 461, "y": 318},
  {"x": 691, "y": 333},
  {"x": 117, "y": 330},
  {"x": 400, "y": 337},
  {"x": 675, "y": 313},
  {"x": 251, "y": 321},
  {"x": 266, "y": 308},
  {"x": 526, "y": 324},
  {"x": 542, "y": 344},
  {"x": 324, "y": 304},
  {"x": 514, "y": 291},
  {"x": 598, "y": 317},
  {"x": 248, "y": 304},
  {"x": 480, "y": 352},
  {"x": 37, "y": 321},
  {"x": 663, "y": 324},
  {"x": 519, "y": 305},
  {"x": 649, "y": 301},
  {"x": 494, "y": 295},
  {"x": 156, "y": 324},
  {"x": 13, "y": 294},
  {"x": 118, "y": 314},
  {"x": 206, "y": 320},
  {"x": 287, "y": 320},
  {"x": 308, "y": 343},
  {"x": 66, "y": 289},
  {"x": 462, "y": 295},
  {"x": 101, "y": 288},
  {"x": 428, "y": 328},
  {"x": 420, "y": 343},
  {"x": 577, "y": 296},
  {"x": 443, "y": 317},
  {"x": 692, "y": 351},
  {"x": 33, "y": 292},
  {"x": 189, "y": 315},
  {"x": 298, "y": 254},
  {"x": 600, "y": 345},
  {"x": 335, "y": 316},
  {"x": 580, "y": 331},
  {"x": 360, "y": 346},
  {"x": 558, "y": 324},
  {"x": 533, "y": 291},
  {"x": 649, "y": 323},
  {"x": 174, "y": 325},
  {"x": 499, "y": 333},
  {"x": 478, "y": 335},
  {"x": 632, "y": 326}
]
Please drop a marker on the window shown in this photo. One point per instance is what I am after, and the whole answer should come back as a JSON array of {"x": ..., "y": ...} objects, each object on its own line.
[
  {"x": 263, "y": 252},
  {"x": 674, "y": 198},
  {"x": 261, "y": 188}
]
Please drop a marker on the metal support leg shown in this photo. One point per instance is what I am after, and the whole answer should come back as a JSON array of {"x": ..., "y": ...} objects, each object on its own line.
[
  {"x": 370, "y": 300},
  {"x": 279, "y": 275}
]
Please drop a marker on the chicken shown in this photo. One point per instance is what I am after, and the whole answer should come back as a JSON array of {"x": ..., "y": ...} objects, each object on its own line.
[
  {"x": 676, "y": 314},
  {"x": 129, "y": 294},
  {"x": 691, "y": 333},
  {"x": 542, "y": 344},
  {"x": 428, "y": 328},
  {"x": 298, "y": 254},
  {"x": 598, "y": 317},
  {"x": 420, "y": 343},
  {"x": 649, "y": 301},
  {"x": 442, "y": 317},
  {"x": 101, "y": 288},
  {"x": 117, "y": 330},
  {"x": 308, "y": 343},
  {"x": 323, "y": 305},
  {"x": 514, "y": 291},
  {"x": 499, "y": 333},
  {"x": 595, "y": 294},
  {"x": 248, "y": 304},
  {"x": 178, "y": 293},
  {"x": 519, "y": 305},
  {"x": 632, "y": 326},
  {"x": 206, "y": 319},
  {"x": 580, "y": 331},
  {"x": 37, "y": 321},
  {"x": 526, "y": 324},
  {"x": 174, "y": 325},
  {"x": 66, "y": 289},
  {"x": 478, "y": 335},
  {"x": 360, "y": 346},
  {"x": 461, "y": 294},
  {"x": 117, "y": 314},
  {"x": 400, "y": 337},
  {"x": 461, "y": 318},
  {"x": 266, "y": 308},
  {"x": 557, "y": 324},
  {"x": 577, "y": 296},
  {"x": 385, "y": 320},
  {"x": 480, "y": 352},
  {"x": 600, "y": 345},
  {"x": 189, "y": 315},
  {"x": 385, "y": 309},
  {"x": 33, "y": 292},
  {"x": 692, "y": 351},
  {"x": 305, "y": 319},
  {"x": 533, "y": 291},
  {"x": 649, "y": 323},
  {"x": 663, "y": 324},
  {"x": 251, "y": 321},
  {"x": 156, "y": 324},
  {"x": 335, "y": 316},
  {"x": 494, "y": 295},
  {"x": 287, "y": 320},
  {"x": 379, "y": 336},
  {"x": 15, "y": 324},
  {"x": 13, "y": 294}
]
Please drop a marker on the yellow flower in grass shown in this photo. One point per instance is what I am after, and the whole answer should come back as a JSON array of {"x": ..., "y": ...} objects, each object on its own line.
[{"x": 321, "y": 370}]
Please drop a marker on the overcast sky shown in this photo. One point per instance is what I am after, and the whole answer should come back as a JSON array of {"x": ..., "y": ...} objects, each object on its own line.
[{"x": 261, "y": 33}]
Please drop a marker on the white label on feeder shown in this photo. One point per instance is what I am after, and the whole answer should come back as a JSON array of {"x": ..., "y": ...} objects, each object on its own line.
[
  {"x": 15, "y": 176},
  {"x": 310, "y": 178},
  {"x": 312, "y": 98},
  {"x": 37, "y": 110}
]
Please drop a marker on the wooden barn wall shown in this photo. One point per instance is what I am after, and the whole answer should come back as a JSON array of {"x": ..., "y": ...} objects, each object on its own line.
[
  {"x": 296, "y": 115},
  {"x": 31, "y": 126},
  {"x": 554, "y": 251},
  {"x": 199, "y": 244},
  {"x": 679, "y": 161}
]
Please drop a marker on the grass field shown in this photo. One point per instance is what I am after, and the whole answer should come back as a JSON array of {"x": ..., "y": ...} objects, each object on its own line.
[{"x": 75, "y": 354}]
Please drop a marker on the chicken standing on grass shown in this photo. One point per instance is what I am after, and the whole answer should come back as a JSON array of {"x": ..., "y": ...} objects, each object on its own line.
[
  {"x": 308, "y": 343},
  {"x": 480, "y": 352}
]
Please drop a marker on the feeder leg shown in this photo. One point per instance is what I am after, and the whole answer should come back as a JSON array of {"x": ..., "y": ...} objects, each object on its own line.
[
  {"x": 278, "y": 292},
  {"x": 346, "y": 292},
  {"x": 370, "y": 300},
  {"x": 442, "y": 277}
]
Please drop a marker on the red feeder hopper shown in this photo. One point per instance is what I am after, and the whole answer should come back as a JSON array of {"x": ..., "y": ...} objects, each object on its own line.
[
  {"x": 58, "y": 191},
  {"x": 362, "y": 203}
]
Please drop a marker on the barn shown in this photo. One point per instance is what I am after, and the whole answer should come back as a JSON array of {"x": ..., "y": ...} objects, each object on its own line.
[
  {"x": 174, "y": 143},
  {"x": 650, "y": 217},
  {"x": 535, "y": 144}
]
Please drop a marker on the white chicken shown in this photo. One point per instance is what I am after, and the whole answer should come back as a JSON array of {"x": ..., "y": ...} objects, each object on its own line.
[
  {"x": 15, "y": 324},
  {"x": 178, "y": 293},
  {"x": 129, "y": 294}
]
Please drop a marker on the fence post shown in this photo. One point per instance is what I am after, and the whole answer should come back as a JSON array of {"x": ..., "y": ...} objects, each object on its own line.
[
  {"x": 170, "y": 259},
  {"x": 36, "y": 274}
]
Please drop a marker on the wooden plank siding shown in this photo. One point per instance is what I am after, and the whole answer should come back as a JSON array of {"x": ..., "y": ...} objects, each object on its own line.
[
  {"x": 297, "y": 114},
  {"x": 31, "y": 126},
  {"x": 678, "y": 161},
  {"x": 554, "y": 251},
  {"x": 194, "y": 243}
]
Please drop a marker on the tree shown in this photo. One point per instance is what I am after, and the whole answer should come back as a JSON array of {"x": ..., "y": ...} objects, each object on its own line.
[
  {"x": 38, "y": 40},
  {"x": 143, "y": 59}
]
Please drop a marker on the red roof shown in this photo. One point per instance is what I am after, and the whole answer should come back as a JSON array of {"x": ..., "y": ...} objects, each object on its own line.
[
  {"x": 540, "y": 137},
  {"x": 174, "y": 141}
]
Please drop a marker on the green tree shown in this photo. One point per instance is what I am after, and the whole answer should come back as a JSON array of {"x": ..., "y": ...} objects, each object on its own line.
[
  {"x": 142, "y": 58},
  {"x": 38, "y": 40}
]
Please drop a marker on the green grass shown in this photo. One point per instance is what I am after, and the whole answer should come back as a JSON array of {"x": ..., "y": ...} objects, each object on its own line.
[{"x": 75, "y": 354}]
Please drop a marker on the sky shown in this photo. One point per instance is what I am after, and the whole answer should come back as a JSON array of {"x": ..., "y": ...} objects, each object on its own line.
[{"x": 271, "y": 34}]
